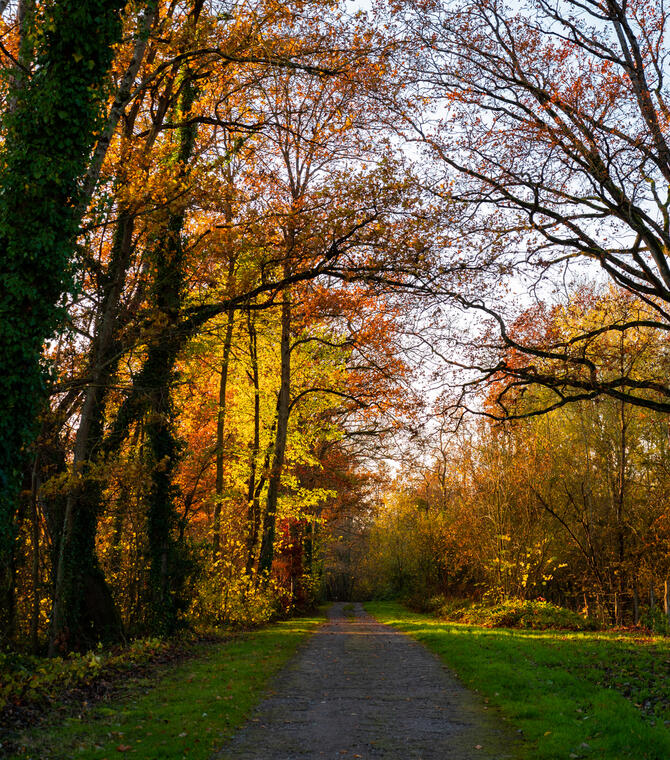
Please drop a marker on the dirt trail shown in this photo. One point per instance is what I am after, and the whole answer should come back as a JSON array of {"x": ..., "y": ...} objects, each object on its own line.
[{"x": 360, "y": 689}]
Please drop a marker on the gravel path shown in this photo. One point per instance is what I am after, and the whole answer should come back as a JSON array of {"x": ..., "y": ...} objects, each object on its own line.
[{"x": 360, "y": 689}]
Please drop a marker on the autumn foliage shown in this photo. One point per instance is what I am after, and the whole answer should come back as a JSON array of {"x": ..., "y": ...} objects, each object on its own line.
[{"x": 260, "y": 265}]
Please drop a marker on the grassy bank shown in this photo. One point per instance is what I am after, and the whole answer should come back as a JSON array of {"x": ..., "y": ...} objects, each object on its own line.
[
  {"x": 191, "y": 709},
  {"x": 571, "y": 694}
]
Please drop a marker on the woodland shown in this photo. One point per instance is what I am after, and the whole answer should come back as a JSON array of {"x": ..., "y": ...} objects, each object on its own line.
[{"x": 320, "y": 299}]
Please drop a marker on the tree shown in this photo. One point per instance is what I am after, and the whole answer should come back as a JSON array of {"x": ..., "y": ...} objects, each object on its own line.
[
  {"x": 554, "y": 148},
  {"x": 239, "y": 188},
  {"x": 568, "y": 504},
  {"x": 149, "y": 200},
  {"x": 56, "y": 110}
]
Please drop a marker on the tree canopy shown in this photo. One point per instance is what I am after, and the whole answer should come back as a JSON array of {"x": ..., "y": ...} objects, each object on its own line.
[{"x": 303, "y": 299}]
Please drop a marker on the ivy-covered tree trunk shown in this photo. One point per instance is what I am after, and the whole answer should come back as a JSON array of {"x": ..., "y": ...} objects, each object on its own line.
[
  {"x": 48, "y": 136},
  {"x": 167, "y": 561}
]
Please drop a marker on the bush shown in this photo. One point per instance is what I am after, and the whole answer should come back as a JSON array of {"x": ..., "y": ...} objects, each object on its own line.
[
  {"x": 655, "y": 619},
  {"x": 232, "y": 599},
  {"x": 26, "y": 679},
  {"x": 513, "y": 613},
  {"x": 420, "y": 603}
]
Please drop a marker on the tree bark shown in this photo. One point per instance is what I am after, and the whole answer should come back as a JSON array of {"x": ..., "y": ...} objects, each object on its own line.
[
  {"x": 167, "y": 560},
  {"x": 253, "y": 504},
  {"x": 283, "y": 409}
]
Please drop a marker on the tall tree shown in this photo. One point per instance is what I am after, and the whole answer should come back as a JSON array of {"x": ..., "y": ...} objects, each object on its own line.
[
  {"x": 56, "y": 112},
  {"x": 561, "y": 155}
]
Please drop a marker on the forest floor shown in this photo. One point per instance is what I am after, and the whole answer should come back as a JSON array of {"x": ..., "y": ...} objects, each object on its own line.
[
  {"x": 359, "y": 689},
  {"x": 602, "y": 695}
]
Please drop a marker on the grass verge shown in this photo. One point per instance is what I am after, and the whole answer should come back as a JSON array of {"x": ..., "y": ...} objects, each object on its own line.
[
  {"x": 189, "y": 712},
  {"x": 571, "y": 694}
]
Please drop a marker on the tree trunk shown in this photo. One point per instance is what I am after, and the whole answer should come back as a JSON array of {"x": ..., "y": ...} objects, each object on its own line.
[
  {"x": 253, "y": 504},
  {"x": 283, "y": 409},
  {"x": 145, "y": 22},
  {"x": 220, "y": 427},
  {"x": 49, "y": 134},
  {"x": 77, "y": 565},
  {"x": 83, "y": 609},
  {"x": 310, "y": 535},
  {"x": 35, "y": 611},
  {"x": 167, "y": 561},
  {"x": 254, "y": 495},
  {"x": 621, "y": 580}
]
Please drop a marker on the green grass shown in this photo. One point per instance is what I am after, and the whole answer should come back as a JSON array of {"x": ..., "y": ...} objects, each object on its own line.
[
  {"x": 571, "y": 694},
  {"x": 191, "y": 711}
]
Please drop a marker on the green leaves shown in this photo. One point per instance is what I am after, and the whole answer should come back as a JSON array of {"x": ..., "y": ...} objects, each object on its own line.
[{"x": 49, "y": 133}]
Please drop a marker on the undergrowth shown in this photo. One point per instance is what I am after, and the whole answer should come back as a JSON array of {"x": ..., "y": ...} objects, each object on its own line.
[
  {"x": 513, "y": 613},
  {"x": 31, "y": 680}
]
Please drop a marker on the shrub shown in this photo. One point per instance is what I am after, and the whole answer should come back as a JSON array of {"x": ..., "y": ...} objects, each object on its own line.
[
  {"x": 36, "y": 680},
  {"x": 513, "y": 613},
  {"x": 655, "y": 619},
  {"x": 232, "y": 599}
]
